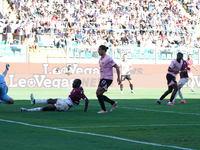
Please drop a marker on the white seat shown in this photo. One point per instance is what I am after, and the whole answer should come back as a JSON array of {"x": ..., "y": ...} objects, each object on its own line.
[
  {"x": 122, "y": 55},
  {"x": 169, "y": 56},
  {"x": 82, "y": 54},
  {"x": 163, "y": 56},
  {"x": 77, "y": 54},
  {"x": 117, "y": 55},
  {"x": 71, "y": 54},
  {"x": 128, "y": 55}
]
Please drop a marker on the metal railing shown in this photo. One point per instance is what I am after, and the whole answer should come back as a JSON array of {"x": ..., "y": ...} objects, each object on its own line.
[
  {"x": 89, "y": 54},
  {"x": 137, "y": 55}
]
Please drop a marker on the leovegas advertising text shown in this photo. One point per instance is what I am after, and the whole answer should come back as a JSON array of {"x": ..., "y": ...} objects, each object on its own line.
[{"x": 39, "y": 75}]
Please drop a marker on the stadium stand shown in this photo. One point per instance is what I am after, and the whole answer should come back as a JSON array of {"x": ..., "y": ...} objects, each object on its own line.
[{"x": 127, "y": 26}]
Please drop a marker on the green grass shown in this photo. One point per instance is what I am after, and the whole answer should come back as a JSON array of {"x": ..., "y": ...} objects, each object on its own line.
[{"x": 136, "y": 117}]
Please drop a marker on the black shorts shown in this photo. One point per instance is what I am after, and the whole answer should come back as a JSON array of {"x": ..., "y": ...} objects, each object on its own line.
[
  {"x": 171, "y": 79},
  {"x": 105, "y": 83},
  {"x": 123, "y": 77},
  {"x": 27, "y": 36}
]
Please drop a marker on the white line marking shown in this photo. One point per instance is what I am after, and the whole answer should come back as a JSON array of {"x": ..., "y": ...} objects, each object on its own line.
[
  {"x": 151, "y": 125},
  {"x": 94, "y": 134},
  {"x": 165, "y": 111},
  {"x": 183, "y": 113}
]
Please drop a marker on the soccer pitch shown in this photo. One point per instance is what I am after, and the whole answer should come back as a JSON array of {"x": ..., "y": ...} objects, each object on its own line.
[{"x": 137, "y": 123}]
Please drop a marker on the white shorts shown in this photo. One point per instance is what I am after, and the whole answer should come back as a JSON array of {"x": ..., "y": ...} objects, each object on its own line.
[
  {"x": 190, "y": 75},
  {"x": 62, "y": 105},
  {"x": 182, "y": 81},
  {"x": 9, "y": 35}
]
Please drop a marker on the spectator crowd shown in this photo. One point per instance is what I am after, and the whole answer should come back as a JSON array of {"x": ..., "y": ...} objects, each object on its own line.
[
  {"x": 192, "y": 6},
  {"x": 140, "y": 23}
]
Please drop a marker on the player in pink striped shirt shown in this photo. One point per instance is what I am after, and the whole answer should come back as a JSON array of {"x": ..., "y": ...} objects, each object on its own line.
[
  {"x": 106, "y": 64},
  {"x": 173, "y": 70}
]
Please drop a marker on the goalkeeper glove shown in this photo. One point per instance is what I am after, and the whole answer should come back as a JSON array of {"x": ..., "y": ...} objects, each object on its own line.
[{"x": 7, "y": 66}]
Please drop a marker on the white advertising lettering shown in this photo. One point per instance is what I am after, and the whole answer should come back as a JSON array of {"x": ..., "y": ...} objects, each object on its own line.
[{"x": 41, "y": 80}]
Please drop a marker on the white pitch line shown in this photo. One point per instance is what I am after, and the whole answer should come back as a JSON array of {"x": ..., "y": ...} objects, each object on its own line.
[
  {"x": 112, "y": 126},
  {"x": 183, "y": 113},
  {"x": 94, "y": 134},
  {"x": 164, "y": 111}
]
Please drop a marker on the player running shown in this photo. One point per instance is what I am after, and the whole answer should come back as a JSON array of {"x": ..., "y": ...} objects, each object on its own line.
[
  {"x": 4, "y": 98},
  {"x": 173, "y": 70},
  {"x": 190, "y": 65},
  {"x": 106, "y": 64},
  {"x": 125, "y": 73},
  {"x": 183, "y": 80},
  {"x": 62, "y": 104}
]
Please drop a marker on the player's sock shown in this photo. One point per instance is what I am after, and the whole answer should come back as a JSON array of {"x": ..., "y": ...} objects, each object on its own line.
[
  {"x": 108, "y": 100},
  {"x": 101, "y": 102},
  {"x": 176, "y": 95},
  {"x": 172, "y": 97},
  {"x": 41, "y": 101},
  {"x": 181, "y": 95},
  {"x": 192, "y": 85},
  {"x": 121, "y": 87},
  {"x": 162, "y": 97},
  {"x": 131, "y": 86},
  {"x": 1, "y": 101},
  {"x": 35, "y": 109}
]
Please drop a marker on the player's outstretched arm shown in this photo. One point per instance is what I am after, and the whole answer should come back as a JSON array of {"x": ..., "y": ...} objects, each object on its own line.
[
  {"x": 183, "y": 71},
  {"x": 195, "y": 67},
  {"x": 131, "y": 67},
  {"x": 118, "y": 73},
  {"x": 6, "y": 70},
  {"x": 86, "y": 105}
]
